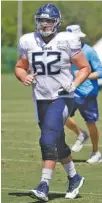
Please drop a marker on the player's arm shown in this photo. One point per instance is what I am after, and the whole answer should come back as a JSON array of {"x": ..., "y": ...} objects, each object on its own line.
[
  {"x": 22, "y": 65},
  {"x": 96, "y": 66},
  {"x": 92, "y": 76},
  {"x": 21, "y": 71},
  {"x": 82, "y": 64}
]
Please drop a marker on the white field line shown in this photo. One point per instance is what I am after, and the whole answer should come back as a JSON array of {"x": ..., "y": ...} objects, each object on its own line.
[
  {"x": 24, "y": 142},
  {"x": 33, "y": 161},
  {"x": 20, "y": 160},
  {"x": 20, "y": 148},
  {"x": 36, "y": 145},
  {"x": 56, "y": 192}
]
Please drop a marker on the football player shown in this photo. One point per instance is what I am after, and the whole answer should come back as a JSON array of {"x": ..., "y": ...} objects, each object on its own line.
[
  {"x": 48, "y": 56},
  {"x": 86, "y": 100}
]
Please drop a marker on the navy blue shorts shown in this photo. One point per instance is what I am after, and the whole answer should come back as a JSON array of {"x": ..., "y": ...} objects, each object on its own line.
[
  {"x": 54, "y": 111},
  {"x": 52, "y": 116},
  {"x": 87, "y": 107}
]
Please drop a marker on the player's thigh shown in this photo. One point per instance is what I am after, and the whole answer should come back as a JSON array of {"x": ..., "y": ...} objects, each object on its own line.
[
  {"x": 52, "y": 114},
  {"x": 74, "y": 109},
  {"x": 77, "y": 102},
  {"x": 57, "y": 113},
  {"x": 89, "y": 109},
  {"x": 42, "y": 106}
]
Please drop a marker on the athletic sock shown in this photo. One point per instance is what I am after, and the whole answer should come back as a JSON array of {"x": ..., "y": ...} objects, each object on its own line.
[
  {"x": 81, "y": 137},
  {"x": 70, "y": 169},
  {"x": 46, "y": 175}
]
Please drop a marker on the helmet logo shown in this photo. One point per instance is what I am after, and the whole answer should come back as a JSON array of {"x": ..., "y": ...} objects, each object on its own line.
[{"x": 44, "y": 15}]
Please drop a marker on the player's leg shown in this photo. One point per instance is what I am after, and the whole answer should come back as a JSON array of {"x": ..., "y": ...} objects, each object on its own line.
[
  {"x": 94, "y": 135},
  {"x": 91, "y": 116},
  {"x": 41, "y": 191},
  {"x": 51, "y": 123},
  {"x": 82, "y": 137},
  {"x": 74, "y": 179},
  {"x": 72, "y": 125}
]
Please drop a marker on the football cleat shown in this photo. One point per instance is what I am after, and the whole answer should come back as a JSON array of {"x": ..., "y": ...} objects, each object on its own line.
[
  {"x": 75, "y": 184},
  {"x": 41, "y": 191}
]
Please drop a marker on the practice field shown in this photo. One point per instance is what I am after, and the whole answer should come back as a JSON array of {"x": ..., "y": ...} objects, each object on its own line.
[{"x": 21, "y": 166}]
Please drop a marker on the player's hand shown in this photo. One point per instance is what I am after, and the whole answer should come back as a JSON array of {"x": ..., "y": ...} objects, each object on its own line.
[
  {"x": 30, "y": 79},
  {"x": 71, "y": 88}
]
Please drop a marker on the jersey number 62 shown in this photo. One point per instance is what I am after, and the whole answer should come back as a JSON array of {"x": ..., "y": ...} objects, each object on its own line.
[{"x": 49, "y": 69}]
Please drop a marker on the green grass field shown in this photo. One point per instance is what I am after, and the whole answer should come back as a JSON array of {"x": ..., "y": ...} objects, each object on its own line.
[{"x": 21, "y": 166}]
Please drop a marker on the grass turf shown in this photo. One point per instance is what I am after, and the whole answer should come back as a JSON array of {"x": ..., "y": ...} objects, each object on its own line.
[{"x": 21, "y": 166}]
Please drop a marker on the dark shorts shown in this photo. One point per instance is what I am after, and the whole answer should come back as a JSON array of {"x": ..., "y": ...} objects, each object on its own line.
[
  {"x": 54, "y": 111},
  {"x": 87, "y": 107},
  {"x": 52, "y": 116}
]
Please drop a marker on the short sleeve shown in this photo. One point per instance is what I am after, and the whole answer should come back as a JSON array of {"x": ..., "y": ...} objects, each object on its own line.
[
  {"x": 22, "y": 48},
  {"x": 95, "y": 63},
  {"x": 75, "y": 46}
]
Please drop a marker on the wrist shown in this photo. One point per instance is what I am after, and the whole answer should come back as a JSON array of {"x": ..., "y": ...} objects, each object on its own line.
[
  {"x": 74, "y": 86},
  {"x": 23, "y": 78}
]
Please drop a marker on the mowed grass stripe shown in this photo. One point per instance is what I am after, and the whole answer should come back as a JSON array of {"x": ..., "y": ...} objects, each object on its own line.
[{"x": 33, "y": 161}]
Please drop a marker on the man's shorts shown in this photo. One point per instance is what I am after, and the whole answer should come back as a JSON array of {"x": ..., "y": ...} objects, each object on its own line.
[
  {"x": 88, "y": 108},
  {"x": 52, "y": 116},
  {"x": 51, "y": 110}
]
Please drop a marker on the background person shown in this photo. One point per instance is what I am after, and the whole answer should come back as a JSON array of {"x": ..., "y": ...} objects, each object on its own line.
[{"x": 86, "y": 99}]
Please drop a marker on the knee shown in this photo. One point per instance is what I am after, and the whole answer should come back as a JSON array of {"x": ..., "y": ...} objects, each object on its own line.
[
  {"x": 49, "y": 152},
  {"x": 63, "y": 152},
  {"x": 49, "y": 134}
]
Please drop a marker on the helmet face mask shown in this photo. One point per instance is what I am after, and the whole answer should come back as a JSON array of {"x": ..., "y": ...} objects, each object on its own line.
[
  {"x": 46, "y": 26},
  {"x": 47, "y": 20}
]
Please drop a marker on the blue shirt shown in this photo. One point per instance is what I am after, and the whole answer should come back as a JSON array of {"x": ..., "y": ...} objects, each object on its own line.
[{"x": 89, "y": 87}]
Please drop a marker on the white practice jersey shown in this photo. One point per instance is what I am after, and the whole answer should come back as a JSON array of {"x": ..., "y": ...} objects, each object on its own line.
[{"x": 51, "y": 62}]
